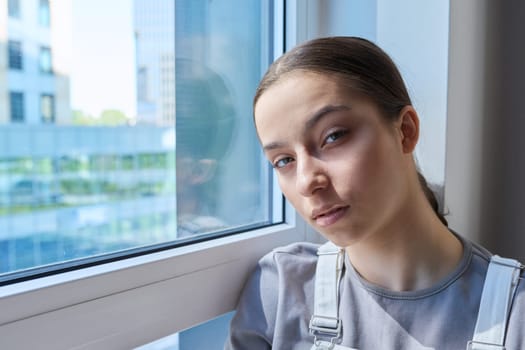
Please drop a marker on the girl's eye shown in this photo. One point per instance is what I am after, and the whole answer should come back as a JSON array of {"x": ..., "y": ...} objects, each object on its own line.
[
  {"x": 281, "y": 163},
  {"x": 334, "y": 136}
]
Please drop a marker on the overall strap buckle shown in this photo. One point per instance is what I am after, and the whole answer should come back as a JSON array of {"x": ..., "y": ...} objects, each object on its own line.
[{"x": 323, "y": 326}]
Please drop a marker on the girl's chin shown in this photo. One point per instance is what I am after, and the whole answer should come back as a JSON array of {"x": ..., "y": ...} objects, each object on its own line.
[{"x": 341, "y": 238}]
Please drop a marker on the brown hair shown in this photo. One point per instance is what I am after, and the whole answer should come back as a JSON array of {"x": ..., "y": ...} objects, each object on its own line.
[{"x": 359, "y": 64}]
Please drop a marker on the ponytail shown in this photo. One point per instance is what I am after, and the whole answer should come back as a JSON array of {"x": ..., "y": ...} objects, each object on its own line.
[{"x": 431, "y": 197}]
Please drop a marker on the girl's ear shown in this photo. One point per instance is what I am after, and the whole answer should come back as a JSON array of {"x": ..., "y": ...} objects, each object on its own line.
[
  {"x": 203, "y": 171},
  {"x": 408, "y": 126}
]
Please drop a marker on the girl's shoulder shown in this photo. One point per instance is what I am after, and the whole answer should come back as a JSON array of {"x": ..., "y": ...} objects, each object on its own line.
[
  {"x": 301, "y": 249},
  {"x": 299, "y": 254}
]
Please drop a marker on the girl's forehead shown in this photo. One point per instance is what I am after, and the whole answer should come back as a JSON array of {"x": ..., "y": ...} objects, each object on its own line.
[
  {"x": 295, "y": 92},
  {"x": 289, "y": 104},
  {"x": 301, "y": 83},
  {"x": 329, "y": 83},
  {"x": 314, "y": 76},
  {"x": 305, "y": 89}
]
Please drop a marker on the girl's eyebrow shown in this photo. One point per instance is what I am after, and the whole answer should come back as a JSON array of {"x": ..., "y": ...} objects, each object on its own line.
[
  {"x": 323, "y": 112},
  {"x": 273, "y": 145},
  {"x": 311, "y": 122}
]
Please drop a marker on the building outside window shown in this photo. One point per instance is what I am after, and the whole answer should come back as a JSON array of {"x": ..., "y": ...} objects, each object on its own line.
[
  {"x": 45, "y": 60},
  {"x": 13, "y": 8},
  {"x": 44, "y": 13},
  {"x": 15, "y": 55},
  {"x": 47, "y": 108},
  {"x": 16, "y": 103}
]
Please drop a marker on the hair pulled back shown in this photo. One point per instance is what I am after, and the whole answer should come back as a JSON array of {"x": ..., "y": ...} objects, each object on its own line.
[{"x": 358, "y": 64}]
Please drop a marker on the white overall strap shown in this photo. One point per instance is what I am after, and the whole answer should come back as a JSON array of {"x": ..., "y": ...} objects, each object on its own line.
[
  {"x": 496, "y": 300},
  {"x": 325, "y": 323}
]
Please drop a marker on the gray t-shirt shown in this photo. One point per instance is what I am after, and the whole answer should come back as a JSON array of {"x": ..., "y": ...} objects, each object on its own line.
[{"x": 277, "y": 302}]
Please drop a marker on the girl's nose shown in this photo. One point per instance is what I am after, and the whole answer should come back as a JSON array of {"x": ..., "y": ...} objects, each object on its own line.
[{"x": 310, "y": 176}]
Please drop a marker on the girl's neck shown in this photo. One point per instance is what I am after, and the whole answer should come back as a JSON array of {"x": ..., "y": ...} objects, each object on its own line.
[{"x": 413, "y": 253}]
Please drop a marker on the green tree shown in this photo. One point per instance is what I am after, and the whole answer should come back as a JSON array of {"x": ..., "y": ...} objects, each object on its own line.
[
  {"x": 112, "y": 117},
  {"x": 81, "y": 118},
  {"x": 108, "y": 117}
]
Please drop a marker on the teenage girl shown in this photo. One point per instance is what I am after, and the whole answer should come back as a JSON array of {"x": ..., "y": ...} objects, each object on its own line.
[{"x": 335, "y": 120}]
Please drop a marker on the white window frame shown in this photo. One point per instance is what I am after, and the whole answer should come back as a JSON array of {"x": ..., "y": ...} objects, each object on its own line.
[
  {"x": 128, "y": 303},
  {"x": 131, "y": 302}
]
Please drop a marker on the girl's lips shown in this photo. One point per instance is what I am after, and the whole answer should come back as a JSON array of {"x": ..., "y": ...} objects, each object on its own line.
[{"x": 330, "y": 217}]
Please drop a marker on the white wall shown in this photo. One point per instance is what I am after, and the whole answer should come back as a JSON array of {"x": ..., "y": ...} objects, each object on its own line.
[
  {"x": 415, "y": 34},
  {"x": 485, "y": 165}
]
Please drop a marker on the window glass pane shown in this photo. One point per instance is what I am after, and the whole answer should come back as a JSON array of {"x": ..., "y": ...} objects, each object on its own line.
[
  {"x": 47, "y": 108},
  {"x": 44, "y": 13},
  {"x": 15, "y": 54},
  {"x": 16, "y": 103},
  {"x": 45, "y": 60},
  {"x": 210, "y": 335},
  {"x": 146, "y": 147},
  {"x": 13, "y": 8}
]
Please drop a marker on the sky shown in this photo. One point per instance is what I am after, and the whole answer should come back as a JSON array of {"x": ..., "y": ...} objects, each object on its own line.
[{"x": 103, "y": 56}]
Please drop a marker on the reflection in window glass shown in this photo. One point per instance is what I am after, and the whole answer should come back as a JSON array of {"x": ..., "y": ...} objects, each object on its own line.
[{"x": 150, "y": 145}]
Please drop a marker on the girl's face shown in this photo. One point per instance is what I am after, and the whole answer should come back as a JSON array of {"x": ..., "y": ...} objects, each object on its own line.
[{"x": 339, "y": 163}]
